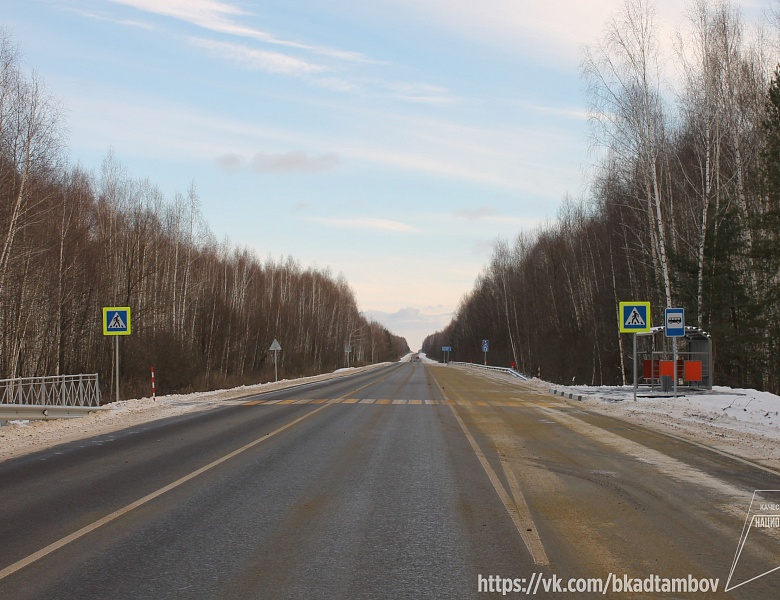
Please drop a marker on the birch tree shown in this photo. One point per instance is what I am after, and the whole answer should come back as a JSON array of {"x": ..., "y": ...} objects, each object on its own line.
[{"x": 627, "y": 111}]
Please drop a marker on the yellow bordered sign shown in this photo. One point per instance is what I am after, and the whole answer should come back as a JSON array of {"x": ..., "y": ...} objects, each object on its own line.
[
  {"x": 634, "y": 317},
  {"x": 116, "y": 320}
]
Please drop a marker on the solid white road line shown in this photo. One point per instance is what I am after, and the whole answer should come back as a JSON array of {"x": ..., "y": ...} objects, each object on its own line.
[{"x": 148, "y": 498}]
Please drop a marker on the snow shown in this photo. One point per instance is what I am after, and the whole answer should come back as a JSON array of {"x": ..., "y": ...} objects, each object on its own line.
[
  {"x": 425, "y": 360},
  {"x": 740, "y": 422},
  {"x": 23, "y": 437}
]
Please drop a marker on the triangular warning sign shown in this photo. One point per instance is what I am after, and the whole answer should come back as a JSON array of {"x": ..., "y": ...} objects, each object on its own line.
[
  {"x": 117, "y": 322},
  {"x": 635, "y": 319}
]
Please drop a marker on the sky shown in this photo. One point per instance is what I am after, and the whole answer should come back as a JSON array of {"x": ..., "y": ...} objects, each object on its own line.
[{"x": 392, "y": 141}]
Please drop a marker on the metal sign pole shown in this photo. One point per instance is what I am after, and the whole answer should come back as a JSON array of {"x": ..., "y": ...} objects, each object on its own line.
[
  {"x": 116, "y": 337},
  {"x": 275, "y": 348},
  {"x": 635, "y": 375},
  {"x": 674, "y": 357}
]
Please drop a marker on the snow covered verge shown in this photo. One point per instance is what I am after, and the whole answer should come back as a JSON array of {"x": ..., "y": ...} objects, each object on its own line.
[
  {"x": 23, "y": 437},
  {"x": 740, "y": 422}
]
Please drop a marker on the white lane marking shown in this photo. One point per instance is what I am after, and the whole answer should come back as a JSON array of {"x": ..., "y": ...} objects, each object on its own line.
[
  {"x": 517, "y": 507},
  {"x": 530, "y": 533},
  {"x": 20, "y": 564}
]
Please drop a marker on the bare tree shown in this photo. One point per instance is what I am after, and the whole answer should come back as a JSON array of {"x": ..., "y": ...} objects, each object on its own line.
[{"x": 624, "y": 84}]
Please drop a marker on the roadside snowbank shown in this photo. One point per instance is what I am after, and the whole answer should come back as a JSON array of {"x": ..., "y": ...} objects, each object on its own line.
[
  {"x": 742, "y": 422},
  {"x": 23, "y": 437}
]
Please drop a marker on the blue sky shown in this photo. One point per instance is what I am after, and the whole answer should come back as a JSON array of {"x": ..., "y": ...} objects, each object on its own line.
[{"x": 391, "y": 140}]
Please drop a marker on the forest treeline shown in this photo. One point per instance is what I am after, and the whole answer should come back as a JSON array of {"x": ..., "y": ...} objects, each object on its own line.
[
  {"x": 204, "y": 313},
  {"x": 683, "y": 210}
]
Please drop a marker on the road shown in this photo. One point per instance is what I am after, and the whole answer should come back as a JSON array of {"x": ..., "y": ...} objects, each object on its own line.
[{"x": 402, "y": 482}]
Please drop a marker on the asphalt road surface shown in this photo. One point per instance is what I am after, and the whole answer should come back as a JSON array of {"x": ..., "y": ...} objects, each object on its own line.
[{"x": 402, "y": 482}]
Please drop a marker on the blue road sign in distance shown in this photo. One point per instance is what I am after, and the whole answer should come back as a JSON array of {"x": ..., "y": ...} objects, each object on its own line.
[
  {"x": 674, "y": 325},
  {"x": 485, "y": 344}
]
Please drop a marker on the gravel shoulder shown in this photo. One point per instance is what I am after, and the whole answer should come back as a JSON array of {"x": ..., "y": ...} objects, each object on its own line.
[{"x": 740, "y": 422}]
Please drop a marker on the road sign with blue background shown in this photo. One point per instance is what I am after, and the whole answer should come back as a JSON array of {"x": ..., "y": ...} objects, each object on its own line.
[
  {"x": 674, "y": 322},
  {"x": 116, "y": 320},
  {"x": 634, "y": 317},
  {"x": 485, "y": 344}
]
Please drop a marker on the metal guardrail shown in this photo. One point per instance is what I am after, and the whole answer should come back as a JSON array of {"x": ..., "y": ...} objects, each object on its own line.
[
  {"x": 28, "y": 412},
  {"x": 55, "y": 397},
  {"x": 58, "y": 390},
  {"x": 503, "y": 369}
]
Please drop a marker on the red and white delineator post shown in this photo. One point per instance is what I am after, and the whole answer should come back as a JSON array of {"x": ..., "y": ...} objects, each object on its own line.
[{"x": 154, "y": 393}]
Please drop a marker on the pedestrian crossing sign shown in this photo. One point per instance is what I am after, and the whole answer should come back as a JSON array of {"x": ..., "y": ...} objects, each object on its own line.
[
  {"x": 634, "y": 317},
  {"x": 116, "y": 320}
]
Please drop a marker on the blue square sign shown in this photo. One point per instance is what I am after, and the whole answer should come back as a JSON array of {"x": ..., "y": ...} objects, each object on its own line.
[
  {"x": 674, "y": 322},
  {"x": 634, "y": 317},
  {"x": 116, "y": 320}
]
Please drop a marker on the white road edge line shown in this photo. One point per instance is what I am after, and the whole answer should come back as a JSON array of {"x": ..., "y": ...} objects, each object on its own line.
[
  {"x": 517, "y": 507},
  {"x": 20, "y": 564}
]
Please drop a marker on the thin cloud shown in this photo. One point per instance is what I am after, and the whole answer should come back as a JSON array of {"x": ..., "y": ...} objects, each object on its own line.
[
  {"x": 420, "y": 93},
  {"x": 487, "y": 214},
  {"x": 368, "y": 224},
  {"x": 475, "y": 214},
  {"x": 293, "y": 162},
  {"x": 580, "y": 114},
  {"x": 124, "y": 22},
  {"x": 229, "y": 162},
  {"x": 220, "y": 17},
  {"x": 261, "y": 60}
]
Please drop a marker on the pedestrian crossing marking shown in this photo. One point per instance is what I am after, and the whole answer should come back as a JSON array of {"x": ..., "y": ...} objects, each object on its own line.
[{"x": 373, "y": 401}]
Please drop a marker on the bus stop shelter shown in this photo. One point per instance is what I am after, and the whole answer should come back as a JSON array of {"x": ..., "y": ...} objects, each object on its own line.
[{"x": 694, "y": 359}]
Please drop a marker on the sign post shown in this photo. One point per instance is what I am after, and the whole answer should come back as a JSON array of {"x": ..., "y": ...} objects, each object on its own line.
[
  {"x": 485, "y": 346},
  {"x": 446, "y": 350},
  {"x": 674, "y": 327},
  {"x": 116, "y": 322},
  {"x": 275, "y": 347},
  {"x": 634, "y": 317}
]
